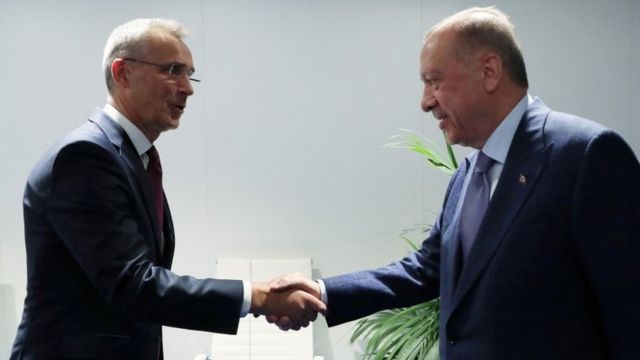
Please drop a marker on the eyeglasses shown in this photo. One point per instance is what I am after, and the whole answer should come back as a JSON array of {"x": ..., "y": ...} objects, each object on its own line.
[{"x": 175, "y": 71}]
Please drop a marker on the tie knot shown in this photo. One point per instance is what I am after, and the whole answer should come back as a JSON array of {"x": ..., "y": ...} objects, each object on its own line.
[
  {"x": 483, "y": 162},
  {"x": 154, "y": 159}
]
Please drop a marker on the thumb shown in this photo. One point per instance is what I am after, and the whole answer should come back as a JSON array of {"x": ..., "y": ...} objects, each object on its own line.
[
  {"x": 316, "y": 304},
  {"x": 289, "y": 282}
]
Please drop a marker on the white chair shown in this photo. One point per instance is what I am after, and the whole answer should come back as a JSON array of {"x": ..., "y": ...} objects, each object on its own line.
[
  {"x": 8, "y": 320},
  {"x": 257, "y": 339}
]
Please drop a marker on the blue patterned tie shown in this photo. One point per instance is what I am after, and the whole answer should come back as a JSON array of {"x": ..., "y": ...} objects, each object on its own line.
[{"x": 476, "y": 202}]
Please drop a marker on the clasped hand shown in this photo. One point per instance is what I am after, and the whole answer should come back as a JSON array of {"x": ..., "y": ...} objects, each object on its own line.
[{"x": 290, "y": 301}]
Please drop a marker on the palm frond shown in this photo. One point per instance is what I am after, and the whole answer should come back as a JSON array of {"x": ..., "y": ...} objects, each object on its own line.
[
  {"x": 433, "y": 154},
  {"x": 399, "y": 334},
  {"x": 421, "y": 229},
  {"x": 408, "y": 333}
]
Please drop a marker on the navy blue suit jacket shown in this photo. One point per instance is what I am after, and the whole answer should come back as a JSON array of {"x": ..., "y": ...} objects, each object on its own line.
[
  {"x": 98, "y": 285},
  {"x": 555, "y": 270}
]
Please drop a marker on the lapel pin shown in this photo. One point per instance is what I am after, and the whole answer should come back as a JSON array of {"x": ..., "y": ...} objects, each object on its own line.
[{"x": 522, "y": 179}]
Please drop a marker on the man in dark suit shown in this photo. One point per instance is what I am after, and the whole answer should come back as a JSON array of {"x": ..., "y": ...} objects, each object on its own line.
[
  {"x": 98, "y": 229},
  {"x": 549, "y": 268}
]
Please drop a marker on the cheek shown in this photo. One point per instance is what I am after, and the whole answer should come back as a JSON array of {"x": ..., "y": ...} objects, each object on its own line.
[
  {"x": 160, "y": 97},
  {"x": 455, "y": 101},
  {"x": 448, "y": 101}
]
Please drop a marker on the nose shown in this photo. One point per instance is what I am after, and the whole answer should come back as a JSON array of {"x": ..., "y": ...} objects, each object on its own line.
[
  {"x": 185, "y": 86},
  {"x": 428, "y": 100}
]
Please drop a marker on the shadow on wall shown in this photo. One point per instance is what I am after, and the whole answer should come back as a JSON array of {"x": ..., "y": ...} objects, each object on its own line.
[{"x": 8, "y": 323}]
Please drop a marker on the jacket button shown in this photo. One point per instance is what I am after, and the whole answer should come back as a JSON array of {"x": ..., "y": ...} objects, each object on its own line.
[{"x": 452, "y": 342}]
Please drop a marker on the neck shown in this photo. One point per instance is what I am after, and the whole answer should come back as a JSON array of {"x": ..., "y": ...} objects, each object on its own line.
[
  {"x": 507, "y": 101},
  {"x": 121, "y": 106},
  {"x": 502, "y": 103}
]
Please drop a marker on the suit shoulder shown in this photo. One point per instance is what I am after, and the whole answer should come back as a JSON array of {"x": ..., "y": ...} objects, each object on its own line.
[
  {"x": 574, "y": 132},
  {"x": 88, "y": 133},
  {"x": 565, "y": 126},
  {"x": 580, "y": 139},
  {"x": 86, "y": 136},
  {"x": 87, "y": 139}
]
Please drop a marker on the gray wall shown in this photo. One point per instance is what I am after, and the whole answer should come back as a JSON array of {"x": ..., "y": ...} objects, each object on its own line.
[{"x": 279, "y": 153}]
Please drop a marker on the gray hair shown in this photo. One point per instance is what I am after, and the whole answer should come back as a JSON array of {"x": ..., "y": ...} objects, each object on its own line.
[
  {"x": 129, "y": 40},
  {"x": 489, "y": 28}
]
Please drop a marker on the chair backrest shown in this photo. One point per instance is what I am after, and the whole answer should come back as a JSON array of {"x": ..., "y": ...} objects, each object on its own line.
[
  {"x": 257, "y": 339},
  {"x": 8, "y": 317}
]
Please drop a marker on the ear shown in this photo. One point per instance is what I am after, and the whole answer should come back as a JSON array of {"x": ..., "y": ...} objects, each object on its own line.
[
  {"x": 492, "y": 71},
  {"x": 119, "y": 71}
]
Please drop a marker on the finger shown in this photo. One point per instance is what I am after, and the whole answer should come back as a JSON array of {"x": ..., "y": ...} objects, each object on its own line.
[
  {"x": 272, "y": 319},
  {"x": 286, "y": 282},
  {"x": 309, "y": 286},
  {"x": 284, "y": 322},
  {"x": 284, "y": 326},
  {"x": 316, "y": 304},
  {"x": 310, "y": 315}
]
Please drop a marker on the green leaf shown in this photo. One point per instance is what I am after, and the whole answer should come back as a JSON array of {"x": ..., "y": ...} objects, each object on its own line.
[
  {"x": 408, "y": 333},
  {"x": 415, "y": 142},
  {"x": 402, "y": 334}
]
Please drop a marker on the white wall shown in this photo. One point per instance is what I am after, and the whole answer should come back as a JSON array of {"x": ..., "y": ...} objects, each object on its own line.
[{"x": 279, "y": 153}]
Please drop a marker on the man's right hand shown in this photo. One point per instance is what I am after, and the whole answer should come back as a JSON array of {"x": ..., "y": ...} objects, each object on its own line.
[
  {"x": 293, "y": 282},
  {"x": 288, "y": 306}
]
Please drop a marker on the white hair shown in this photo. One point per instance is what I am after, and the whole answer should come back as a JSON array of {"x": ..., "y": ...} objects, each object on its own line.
[{"x": 128, "y": 40}]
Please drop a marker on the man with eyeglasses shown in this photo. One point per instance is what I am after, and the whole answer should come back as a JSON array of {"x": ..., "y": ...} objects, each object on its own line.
[{"x": 98, "y": 229}]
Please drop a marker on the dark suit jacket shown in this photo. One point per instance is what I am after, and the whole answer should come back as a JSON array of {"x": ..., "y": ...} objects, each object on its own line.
[
  {"x": 98, "y": 286},
  {"x": 555, "y": 270}
]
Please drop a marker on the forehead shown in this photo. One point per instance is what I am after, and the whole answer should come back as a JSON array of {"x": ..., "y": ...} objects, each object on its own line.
[
  {"x": 437, "y": 52},
  {"x": 166, "y": 47}
]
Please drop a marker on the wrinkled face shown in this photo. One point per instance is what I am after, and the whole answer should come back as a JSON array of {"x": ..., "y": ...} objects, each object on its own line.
[
  {"x": 156, "y": 99},
  {"x": 452, "y": 90}
]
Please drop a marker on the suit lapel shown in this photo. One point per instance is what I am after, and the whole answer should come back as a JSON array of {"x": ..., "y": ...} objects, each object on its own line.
[
  {"x": 129, "y": 156},
  {"x": 169, "y": 236},
  {"x": 450, "y": 246},
  {"x": 524, "y": 164}
]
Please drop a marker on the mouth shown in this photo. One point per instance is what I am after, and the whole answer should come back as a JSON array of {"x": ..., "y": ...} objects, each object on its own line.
[
  {"x": 441, "y": 119},
  {"x": 439, "y": 116},
  {"x": 179, "y": 107}
]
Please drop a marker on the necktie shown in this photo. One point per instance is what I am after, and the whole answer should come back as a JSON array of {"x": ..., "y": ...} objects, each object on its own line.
[
  {"x": 476, "y": 202},
  {"x": 154, "y": 171}
]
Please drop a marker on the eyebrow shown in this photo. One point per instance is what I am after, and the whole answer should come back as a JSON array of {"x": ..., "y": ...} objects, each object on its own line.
[
  {"x": 431, "y": 76},
  {"x": 178, "y": 63}
]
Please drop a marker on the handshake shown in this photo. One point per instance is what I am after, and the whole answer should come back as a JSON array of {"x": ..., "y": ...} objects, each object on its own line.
[{"x": 290, "y": 302}]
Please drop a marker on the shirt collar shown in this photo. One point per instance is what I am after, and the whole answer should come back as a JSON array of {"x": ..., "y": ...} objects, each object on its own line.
[
  {"x": 497, "y": 146},
  {"x": 139, "y": 140}
]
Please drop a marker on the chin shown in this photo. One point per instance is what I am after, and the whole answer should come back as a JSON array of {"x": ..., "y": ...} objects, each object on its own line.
[
  {"x": 450, "y": 137},
  {"x": 173, "y": 123}
]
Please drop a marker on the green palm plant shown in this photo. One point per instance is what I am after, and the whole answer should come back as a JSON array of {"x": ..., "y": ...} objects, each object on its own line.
[
  {"x": 407, "y": 333},
  {"x": 432, "y": 153}
]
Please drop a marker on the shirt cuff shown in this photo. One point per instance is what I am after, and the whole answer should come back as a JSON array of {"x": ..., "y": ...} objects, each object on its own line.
[
  {"x": 246, "y": 301},
  {"x": 323, "y": 292}
]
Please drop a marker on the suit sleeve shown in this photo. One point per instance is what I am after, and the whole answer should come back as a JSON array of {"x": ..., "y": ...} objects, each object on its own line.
[
  {"x": 96, "y": 213},
  {"x": 606, "y": 231},
  {"x": 410, "y": 281}
]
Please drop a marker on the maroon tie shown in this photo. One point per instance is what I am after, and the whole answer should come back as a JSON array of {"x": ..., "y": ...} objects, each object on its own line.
[{"x": 154, "y": 170}]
